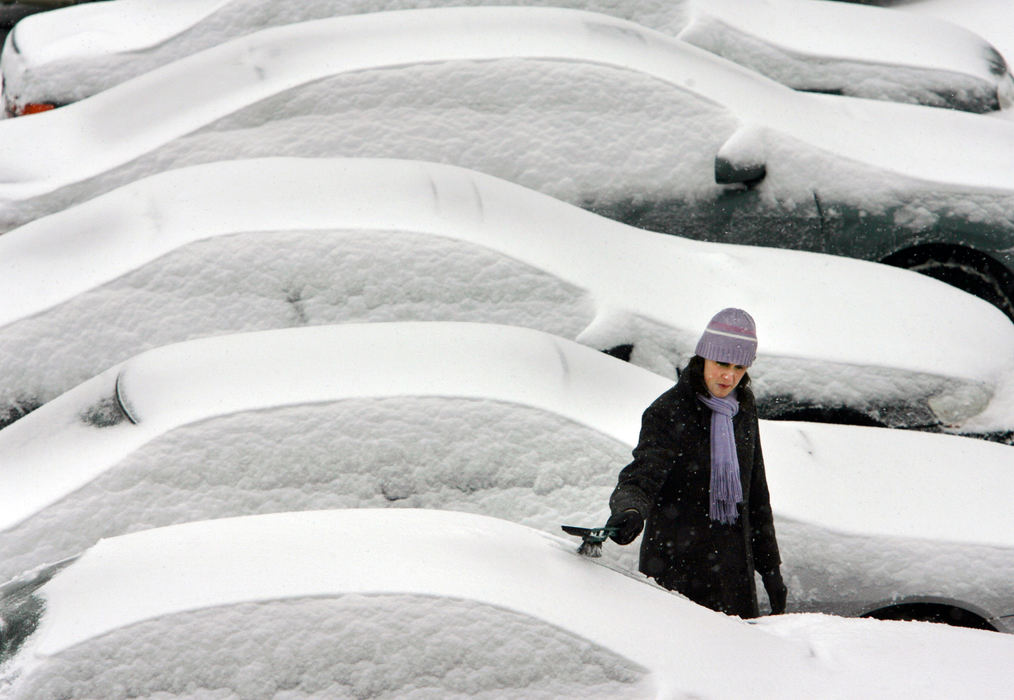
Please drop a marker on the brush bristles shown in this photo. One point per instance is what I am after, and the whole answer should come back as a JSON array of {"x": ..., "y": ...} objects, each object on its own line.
[{"x": 590, "y": 549}]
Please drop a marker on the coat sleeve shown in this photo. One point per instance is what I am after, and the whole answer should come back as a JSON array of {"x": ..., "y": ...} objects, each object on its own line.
[
  {"x": 641, "y": 480},
  {"x": 762, "y": 525}
]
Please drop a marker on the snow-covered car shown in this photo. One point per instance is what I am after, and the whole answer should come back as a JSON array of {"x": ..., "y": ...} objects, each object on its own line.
[
  {"x": 991, "y": 20},
  {"x": 9, "y": 16},
  {"x": 499, "y": 421},
  {"x": 273, "y": 243},
  {"x": 411, "y": 603},
  {"x": 594, "y": 110},
  {"x": 13, "y": 11},
  {"x": 807, "y": 45}
]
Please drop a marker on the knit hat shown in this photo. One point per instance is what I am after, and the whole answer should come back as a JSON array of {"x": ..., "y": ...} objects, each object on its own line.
[{"x": 731, "y": 337}]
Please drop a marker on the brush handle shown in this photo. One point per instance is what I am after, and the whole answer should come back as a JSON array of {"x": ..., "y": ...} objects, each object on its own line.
[{"x": 590, "y": 535}]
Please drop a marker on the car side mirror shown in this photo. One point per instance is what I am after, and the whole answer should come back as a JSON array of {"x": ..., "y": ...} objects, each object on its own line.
[
  {"x": 728, "y": 172},
  {"x": 741, "y": 159}
]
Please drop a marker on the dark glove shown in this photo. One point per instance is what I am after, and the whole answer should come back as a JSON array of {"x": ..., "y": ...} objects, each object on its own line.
[
  {"x": 777, "y": 592},
  {"x": 628, "y": 524}
]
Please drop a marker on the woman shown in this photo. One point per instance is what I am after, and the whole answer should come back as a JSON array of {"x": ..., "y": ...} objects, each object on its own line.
[{"x": 697, "y": 483}]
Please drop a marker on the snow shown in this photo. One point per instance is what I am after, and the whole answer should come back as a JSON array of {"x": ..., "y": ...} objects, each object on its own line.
[
  {"x": 990, "y": 19},
  {"x": 127, "y": 25},
  {"x": 853, "y": 50},
  {"x": 861, "y": 51},
  {"x": 361, "y": 646},
  {"x": 143, "y": 266},
  {"x": 372, "y": 510},
  {"x": 818, "y": 142},
  {"x": 506, "y": 422},
  {"x": 803, "y": 27},
  {"x": 453, "y": 567}
]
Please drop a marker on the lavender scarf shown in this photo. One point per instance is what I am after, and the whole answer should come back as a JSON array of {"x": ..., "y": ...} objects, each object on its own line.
[{"x": 726, "y": 489}]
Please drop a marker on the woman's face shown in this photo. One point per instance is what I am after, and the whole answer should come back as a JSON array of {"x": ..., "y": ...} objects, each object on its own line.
[{"x": 721, "y": 377}]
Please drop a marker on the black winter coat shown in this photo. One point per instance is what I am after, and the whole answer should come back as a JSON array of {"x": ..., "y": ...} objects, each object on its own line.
[{"x": 668, "y": 483}]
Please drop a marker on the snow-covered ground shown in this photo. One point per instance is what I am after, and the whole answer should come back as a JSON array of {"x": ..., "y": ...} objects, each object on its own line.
[
  {"x": 429, "y": 604},
  {"x": 65, "y": 56},
  {"x": 344, "y": 240},
  {"x": 501, "y": 421}
]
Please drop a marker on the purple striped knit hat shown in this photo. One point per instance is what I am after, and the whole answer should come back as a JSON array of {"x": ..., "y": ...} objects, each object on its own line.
[{"x": 731, "y": 337}]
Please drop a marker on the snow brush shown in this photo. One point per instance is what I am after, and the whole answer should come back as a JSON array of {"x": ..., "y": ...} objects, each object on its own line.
[{"x": 591, "y": 538}]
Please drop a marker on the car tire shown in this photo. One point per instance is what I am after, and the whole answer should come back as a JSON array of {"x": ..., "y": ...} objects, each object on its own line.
[{"x": 932, "y": 612}]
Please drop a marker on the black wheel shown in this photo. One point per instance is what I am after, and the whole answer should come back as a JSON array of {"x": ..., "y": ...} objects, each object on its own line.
[
  {"x": 932, "y": 612},
  {"x": 837, "y": 415},
  {"x": 788, "y": 408}
]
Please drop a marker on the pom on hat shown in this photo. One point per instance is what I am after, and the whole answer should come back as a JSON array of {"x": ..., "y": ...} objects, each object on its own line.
[{"x": 731, "y": 336}]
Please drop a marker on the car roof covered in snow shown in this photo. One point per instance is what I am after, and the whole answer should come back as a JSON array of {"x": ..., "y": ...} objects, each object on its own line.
[
  {"x": 827, "y": 47},
  {"x": 627, "y": 271},
  {"x": 848, "y": 479},
  {"x": 70, "y": 144},
  {"x": 682, "y": 647}
]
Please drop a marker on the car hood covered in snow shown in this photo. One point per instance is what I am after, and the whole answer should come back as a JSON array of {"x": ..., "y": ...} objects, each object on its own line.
[{"x": 175, "y": 588}]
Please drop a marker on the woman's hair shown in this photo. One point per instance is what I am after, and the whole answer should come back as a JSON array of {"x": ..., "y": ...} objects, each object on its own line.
[{"x": 696, "y": 369}]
